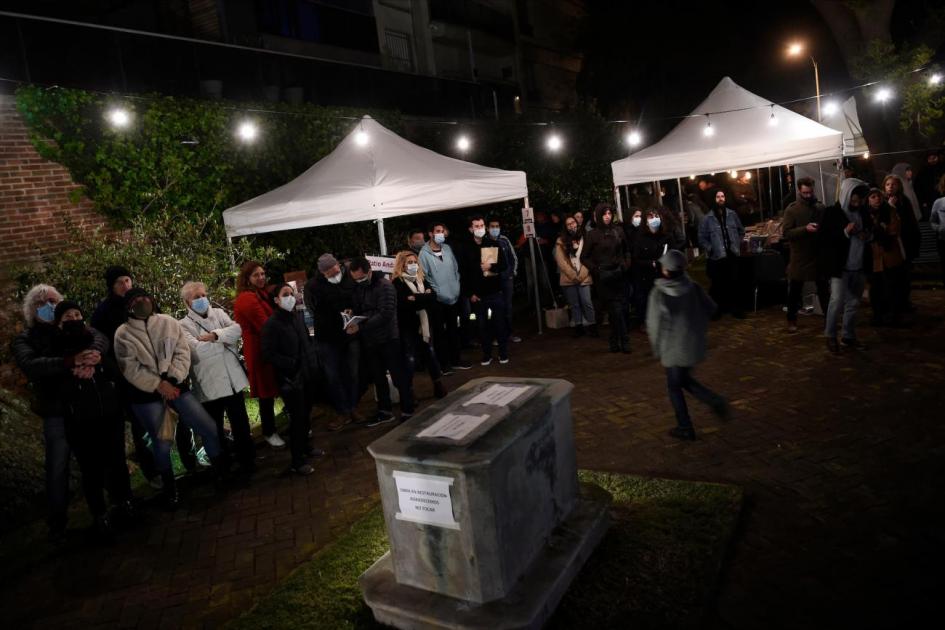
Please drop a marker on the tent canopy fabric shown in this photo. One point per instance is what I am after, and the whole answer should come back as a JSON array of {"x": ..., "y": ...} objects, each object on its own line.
[
  {"x": 385, "y": 177},
  {"x": 848, "y": 123},
  {"x": 743, "y": 138}
]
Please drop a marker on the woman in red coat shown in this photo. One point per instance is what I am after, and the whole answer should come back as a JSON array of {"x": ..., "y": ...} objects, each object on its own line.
[{"x": 251, "y": 310}]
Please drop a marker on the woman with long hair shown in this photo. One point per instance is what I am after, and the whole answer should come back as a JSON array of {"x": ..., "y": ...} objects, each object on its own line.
[
  {"x": 251, "y": 310},
  {"x": 417, "y": 315},
  {"x": 650, "y": 243},
  {"x": 575, "y": 278}
]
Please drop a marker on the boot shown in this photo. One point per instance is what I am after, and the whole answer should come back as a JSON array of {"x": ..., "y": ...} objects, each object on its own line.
[
  {"x": 221, "y": 470},
  {"x": 439, "y": 389},
  {"x": 625, "y": 345},
  {"x": 577, "y": 332},
  {"x": 592, "y": 331},
  {"x": 169, "y": 492}
]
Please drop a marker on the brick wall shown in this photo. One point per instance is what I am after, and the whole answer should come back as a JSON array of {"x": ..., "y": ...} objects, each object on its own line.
[{"x": 34, "y": 194}]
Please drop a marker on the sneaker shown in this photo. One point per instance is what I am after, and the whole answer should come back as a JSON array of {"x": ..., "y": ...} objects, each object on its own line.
[
  {"x": 682, "y": 434},
  {"x": 503, "y": 360},
  {"x": 486, "y": 361},
  {"x": 314, "y": 452},
  {"x": 203, "y": 460},
  {"x": 852, "y": 344},
  {"x": 463, "y": 365},
  {"x": 832, "y": 345},
  {"x": 304, "y": 469},
  {"x": 340, "y": 422},
  {"x": 382, "y": 417},
  {"x": 515, "y": 339},
  {"x": 448, "y": 371},
  {"x": 275, "y": 441},
  {"x": 405, "y": 416}
]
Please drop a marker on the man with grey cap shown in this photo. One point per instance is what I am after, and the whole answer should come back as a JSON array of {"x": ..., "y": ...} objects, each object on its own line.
[
  {"x": 677, "y": 320},
  {"x": 327, "y": 295}
]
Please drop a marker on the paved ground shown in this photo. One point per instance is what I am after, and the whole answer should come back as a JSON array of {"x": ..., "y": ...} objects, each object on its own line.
[{"x": 841, "y": 458}]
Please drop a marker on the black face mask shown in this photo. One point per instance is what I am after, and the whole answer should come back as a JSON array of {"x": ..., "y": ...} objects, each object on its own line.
[
  {"x": 142, "y": 310},
  {"x": 73, "y": 328}
]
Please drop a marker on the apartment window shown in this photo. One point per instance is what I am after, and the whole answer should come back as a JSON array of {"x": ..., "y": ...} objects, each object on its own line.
[{"x": 398, "y": 49}]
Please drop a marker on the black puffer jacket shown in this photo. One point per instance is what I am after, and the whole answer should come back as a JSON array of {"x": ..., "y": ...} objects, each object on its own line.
[
  {"x": 326, "y": 301},
  {"x": 36, "y": 355},
  {"x": 287, "y": 346},
  {"x": 376, "y": 299}
]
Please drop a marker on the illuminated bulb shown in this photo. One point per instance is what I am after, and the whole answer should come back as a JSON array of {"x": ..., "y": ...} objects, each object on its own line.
[
  {"x": 883, "y": 94},
  {"x": 935, "y": 79},
  {"x": 708, "y": 131},
  {"x": 734, "y": 174},
  {"x": 866, "y": 155},
  {"x": 361, "y": 138},
  {"x": 830, "y": 108},
  {"x": 692, "y": 177},
  {"x": 795, "y": 49},
  {"x": 634, "y": 138},
  {"x": 247, "y": 131},
  {"x": 554, "y": 142},
  {"x": 119, "y": 117},
  {"x": 773, "y": 120},
  {"x": 747, "y": 174},
  {"x": 463, "y": 143}
]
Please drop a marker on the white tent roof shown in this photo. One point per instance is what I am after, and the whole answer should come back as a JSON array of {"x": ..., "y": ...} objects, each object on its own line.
[
  {"x": 743, "y": 139},
  {"x": 387, "y": 177},
  {"x": 848, "y": 122}
]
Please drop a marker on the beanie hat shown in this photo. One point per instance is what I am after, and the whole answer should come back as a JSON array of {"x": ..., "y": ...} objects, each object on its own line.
[
  {"x": 66, "y": 305},
  {"x": 135, "y": 292},
  {"x": 113, "y": 273},
  {"x": 673, "y": 260},
  {"x": 326, "y": 262}
]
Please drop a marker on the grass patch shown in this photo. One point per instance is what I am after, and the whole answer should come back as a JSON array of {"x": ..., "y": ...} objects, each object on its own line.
[{"x": 656, "y": 567}]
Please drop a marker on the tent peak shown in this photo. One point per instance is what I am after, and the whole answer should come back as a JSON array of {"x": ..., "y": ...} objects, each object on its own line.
[{"x": 366, "y": 117}]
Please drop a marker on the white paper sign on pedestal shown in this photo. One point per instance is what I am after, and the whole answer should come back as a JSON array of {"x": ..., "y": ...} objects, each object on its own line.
[
  {"x": 425, "y": 499},
  {"x": 497, "y": 395},
  {"x": 453, "y": 426}
]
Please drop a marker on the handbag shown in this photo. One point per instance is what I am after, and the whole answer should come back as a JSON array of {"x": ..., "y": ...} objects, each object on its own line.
[{"x": 168, "y": 424}]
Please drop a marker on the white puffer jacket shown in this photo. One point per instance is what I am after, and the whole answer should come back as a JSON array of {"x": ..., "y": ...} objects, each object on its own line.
[
  {"x": 215, "y": 365},
  {"x": 143, "y": 354}
]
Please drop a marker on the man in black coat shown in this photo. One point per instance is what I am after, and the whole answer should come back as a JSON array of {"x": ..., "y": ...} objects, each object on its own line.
[
  {"x": 481, "y": 263},
  {"x": 375, "y": 299}
]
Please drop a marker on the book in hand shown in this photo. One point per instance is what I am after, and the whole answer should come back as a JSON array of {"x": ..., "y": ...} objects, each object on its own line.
[
  {"x": 348, "y": 320},
  {"x": 489, "y": 255}
]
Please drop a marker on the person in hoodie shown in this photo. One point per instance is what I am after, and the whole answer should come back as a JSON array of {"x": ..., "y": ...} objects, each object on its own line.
[
  {"x": 286, "y": 345},
  {"x": 845, "y": 256},
  {"x": 375, "y": 299},
  {"x": 441, "y": 269},
  {"x": 799, "y": 227},
  {"x": 481, "y": 283},
  {"x": 95, "y": 427},
  {"x": 605, "y": 255},
  {"x": 677, "y": 321},
  {"x": 650, "y": 243},
  {"x": 154, "y": 357},
  {"x": 35, "y": 355}
]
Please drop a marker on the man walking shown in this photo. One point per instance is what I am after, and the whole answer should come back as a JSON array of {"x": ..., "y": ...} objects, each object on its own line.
[
  {"x": 800, "y": 227},
  {"x": 720, "y": 235}
]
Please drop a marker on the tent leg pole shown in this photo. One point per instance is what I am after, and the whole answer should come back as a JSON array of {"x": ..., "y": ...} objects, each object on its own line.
[
  {"x": 682, "y": 212},
  {"x": 531, "y": 250},
  {"x": 229, "y": 242},
  {"x": 820, "y": 170},
  {"x": 619, "y": 204},
  {"x": 771, "y": 193},
  {"x": 381, "y": 238}
]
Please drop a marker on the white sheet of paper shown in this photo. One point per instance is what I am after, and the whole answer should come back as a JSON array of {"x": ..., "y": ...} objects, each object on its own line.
[
  {"x": 498, "y": 395},
  {"x": 453, "y": 426},
  {"x": 424, "y": 499}
]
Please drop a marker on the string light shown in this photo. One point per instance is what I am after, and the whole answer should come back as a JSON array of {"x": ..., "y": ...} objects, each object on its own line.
[
  {"x": 883, "y": 94},
  {"x": 708, "y": 131},
  {"x": 734, "y": 174},
  {"x": 747, "y": 174},
  {"x": 935, "y": 79},
  {"x": 634, "y": 138},
  {"x": 866, "y": 155},
  {"x": 119, "y": 117},
  {"x": 361, "y": 138},
  {"x": 692, "y": 177},
  {"x": 831, "y": 108},
  {"x": 772, "y": 119},
  {"x": 462, "y": 143},
  {"x": 247, "y": 131},
  {"x": 554, "y": 142}
]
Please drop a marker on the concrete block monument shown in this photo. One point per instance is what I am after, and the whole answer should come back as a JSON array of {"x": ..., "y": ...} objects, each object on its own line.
[{"x": 487, "y": 522}]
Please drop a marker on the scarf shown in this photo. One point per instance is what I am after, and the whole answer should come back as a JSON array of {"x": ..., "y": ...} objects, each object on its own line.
[
  {"x": 576, "y": 256},
  {"x": 416, "y": 286}
]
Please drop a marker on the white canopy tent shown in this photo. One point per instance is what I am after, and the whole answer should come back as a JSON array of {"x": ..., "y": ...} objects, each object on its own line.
[
  {"x": 848, "y": 123},
  {"x": 743, "y": 137}
]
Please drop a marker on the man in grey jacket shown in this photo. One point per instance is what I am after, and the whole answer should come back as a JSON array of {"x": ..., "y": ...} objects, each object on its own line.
[{"x": 677, "y": 320}]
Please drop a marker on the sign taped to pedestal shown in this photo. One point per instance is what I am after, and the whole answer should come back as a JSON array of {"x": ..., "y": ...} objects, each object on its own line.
[{"x": 425, "y": 499}]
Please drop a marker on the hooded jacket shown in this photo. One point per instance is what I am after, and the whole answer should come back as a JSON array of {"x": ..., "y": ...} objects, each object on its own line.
[
  {"x": 441, "y": 272},
  {"x": 834, "y": 244},
  {"x": 149, "y": 351},
  {"x": 214, "y": 365},
  {"x": 677, "y": 321}
]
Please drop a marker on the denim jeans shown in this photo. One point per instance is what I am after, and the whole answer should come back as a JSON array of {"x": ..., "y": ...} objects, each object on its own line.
[
  {"x": 582, "y": 308},
  {"x": 494, "y": 327},
  {"x": 339, "y": 363},
  {"x": 679, "y": 379},
  {"x": 235, "y": 408},
  {"x": 381, "y": 359},
  {"x": 412, "y": 345},
  {"x": 845, "y": 293},
  {"x": 57, "y": 470},
  {"x": 191, "y": 413}
]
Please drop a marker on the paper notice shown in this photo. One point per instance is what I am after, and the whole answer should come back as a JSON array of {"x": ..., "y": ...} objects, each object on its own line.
[
  {"x": 498, "y": 395},
  {"x": 489, "y": 255},
  {"x": 453, "y": 426},
  {"x": 424, "y": 499}
]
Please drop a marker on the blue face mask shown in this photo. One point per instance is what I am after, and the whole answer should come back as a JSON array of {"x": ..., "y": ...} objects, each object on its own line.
[
  {"x": 46, "y": 313},
  {"x": 494, "y": 232},
  {"x": 200, "y": 305},
  {"x": 439, "y": 238},
  {"x": 654, "y": 223}
]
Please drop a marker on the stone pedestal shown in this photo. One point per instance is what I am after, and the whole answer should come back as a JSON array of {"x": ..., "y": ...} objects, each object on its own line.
[{"x": 486, "y": 521}]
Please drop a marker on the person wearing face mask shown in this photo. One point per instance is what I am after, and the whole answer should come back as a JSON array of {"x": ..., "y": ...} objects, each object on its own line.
[
  {"x": 328, "y": 294},
  {"x": 375, "y": 299},
  {"x": 720, "y": 236},
  {"x": 154, "y": 357},
  {"x": 415, "y": 240},
  {"x": 287, "y": 346},
  {"x": 95, "y": 427},
  {"x": 508, "y": 276},
  {"x": 251, "y": 309},
  {"x": 800, "y": 228},
  {"x": 35, "y": 355},
  {"x": 575, "y": 278},
  {"x": 605, "y": 254},
  {"x": 482, "y": 263},
  {"x": 216, "y": 371},
  {"x": 441, "y": 270},
  {"x": 845, "y": 256},
  {"x": 632, "y": 227},
  {"x": 417, "y": 315},
  {"x": 650, "y": 243}
]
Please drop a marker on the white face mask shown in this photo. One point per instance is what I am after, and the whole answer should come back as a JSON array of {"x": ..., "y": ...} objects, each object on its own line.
[
  {"x": 439, "y": 239},
  {"x": 636, "y": 221},
  {"x": 412, "y": 269},
  {"x": 335, "y": 279},
  {"x": 287, "y": 302},
  {"x": 479, "y": 232}
]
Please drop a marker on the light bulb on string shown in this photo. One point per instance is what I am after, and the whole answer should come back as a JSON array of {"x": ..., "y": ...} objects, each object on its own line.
[
  {"x": 866, "y": 155},
  {"x": 361, "y": 138},
  {"x": 772, "y": 119},
  {"x": 634, "y": 138},
  {"x": 463, "y": 143},
  {"x": 692, "y": 178},
  {"x": 554, "y": 142},
  {"x": 734, "y": 174},
  {"x": 747, "y": 174},
  {"x": 935, "y": 79},
  {"x": 247, "y": 131},
  {"x": 708, "y": 131},
  {"x": 883, "y": 94},
  {"x": 119, "y": 117},
  {"x": 830, "y": 108}
]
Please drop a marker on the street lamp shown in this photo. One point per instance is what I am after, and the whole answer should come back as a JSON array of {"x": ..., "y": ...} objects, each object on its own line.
[{"x": 796, "y": 49}]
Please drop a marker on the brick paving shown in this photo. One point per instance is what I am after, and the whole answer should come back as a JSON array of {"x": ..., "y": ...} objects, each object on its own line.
[{"x": 840, "y": 457}]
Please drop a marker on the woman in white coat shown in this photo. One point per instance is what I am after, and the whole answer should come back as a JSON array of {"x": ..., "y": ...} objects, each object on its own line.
[{"x": 218, "y": 376}]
